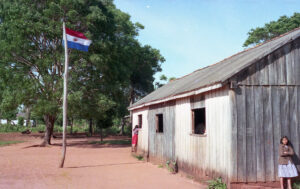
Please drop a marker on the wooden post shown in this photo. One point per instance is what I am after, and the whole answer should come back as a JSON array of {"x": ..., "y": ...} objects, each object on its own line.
[{"x": 65, "y": 99}]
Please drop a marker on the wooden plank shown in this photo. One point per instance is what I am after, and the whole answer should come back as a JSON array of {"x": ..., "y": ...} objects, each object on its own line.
[
  {"x": 298, "y": 126},
  {"x": 272, "y": 69},
  {"x": 268, "y": 132},
  {"x": 198, "y": 101},
  {"x": 284, "y": 111},
  {"x": 233, "y": 155},
  {"x": 289, "y": 63},
  {"x": 250, "y": 131},
  {"x": 261, "y": 79},
  {"x": 251, "y": 75},
  {"x": 241, "y": 138},
  {"x": 297, "y": 64},
  {"x": 281, "y": 70},
  {"x": 265, "y": 72},
  {"x": 294, "y": 121},
  {"x": 276, "y": 124},
  {"x": 259, "y": 134},
  {"x": 257, "y": 73}
]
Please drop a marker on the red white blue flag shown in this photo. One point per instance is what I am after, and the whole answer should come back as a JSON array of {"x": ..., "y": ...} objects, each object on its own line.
[{"x": 77, "y": 40}]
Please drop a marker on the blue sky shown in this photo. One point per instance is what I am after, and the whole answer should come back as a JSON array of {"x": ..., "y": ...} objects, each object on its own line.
[{"x": 192, "y": 34}]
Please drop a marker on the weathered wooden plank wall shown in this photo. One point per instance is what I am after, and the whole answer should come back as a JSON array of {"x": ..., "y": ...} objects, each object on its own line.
[
  {"x": 209, "y": 154},
  {"x": 265, "y": 107},
  {"x": 279, "y": 68},
  {"x": 143, "y": 133},
  {"x": 161, "y": 145},
  {"x": 273, "y": 113}
]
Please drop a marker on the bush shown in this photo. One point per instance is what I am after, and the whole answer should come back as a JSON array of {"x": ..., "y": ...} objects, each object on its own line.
[
  {"x": 128, "y": 131},
  {"x": 114, "y": 130},
  {"x": 216, "y": 184},
  {"x": 11, "y": 128},
  {"x": 21, "y": 121},
  {"x": 296, "y": 184}
]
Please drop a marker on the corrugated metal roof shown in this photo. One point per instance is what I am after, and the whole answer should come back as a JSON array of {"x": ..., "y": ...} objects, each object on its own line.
[{"x": 219, "y": 72}]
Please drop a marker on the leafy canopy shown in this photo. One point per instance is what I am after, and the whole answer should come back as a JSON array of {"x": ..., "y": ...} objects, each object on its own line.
[
  {"x": 272, "y": 29},
  {"x": 101, "y": 80}
]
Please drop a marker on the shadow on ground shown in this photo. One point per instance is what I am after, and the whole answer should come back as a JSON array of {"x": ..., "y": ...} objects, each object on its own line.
[
  {"x": 105, "y": 165},
  {"x": 83, "y": 144}
]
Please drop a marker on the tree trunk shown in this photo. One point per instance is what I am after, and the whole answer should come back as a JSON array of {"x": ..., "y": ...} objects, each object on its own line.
[
  {"x": 122, "y": 126},
  {"x": 91, "y": 127},
  {"x": 72, "y": 120},
  {"x": 132, "y": 94},
  {"x": 28, "y": 115},
  {"x": 49, "y": 121},
  {"x": 101, "y": 134}
]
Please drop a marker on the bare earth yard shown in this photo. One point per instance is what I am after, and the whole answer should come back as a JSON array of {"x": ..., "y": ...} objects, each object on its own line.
[{"x": 26, "y": 165}]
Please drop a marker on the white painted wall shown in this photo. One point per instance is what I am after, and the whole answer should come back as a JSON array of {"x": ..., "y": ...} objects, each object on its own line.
[
  {"x": 143, "y": 133},
  {"x": 13, "y": 122},
  {"x": 211, "y": 152}
]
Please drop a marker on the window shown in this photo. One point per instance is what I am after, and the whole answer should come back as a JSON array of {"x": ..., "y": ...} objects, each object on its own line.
[
  {"x": 159, "y": 123},
  {"x": 140, "y": 119},
  {"x": 198, "y": 121}
]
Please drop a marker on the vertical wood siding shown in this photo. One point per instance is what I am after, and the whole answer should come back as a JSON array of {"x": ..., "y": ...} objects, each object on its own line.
[
  {"x": 265, "y": 107},
  {"x": 211, "y": 153},
  {"x": 161, "y": 145},
  {"x": 282, "y": 67},
  {"x": 143, "y": 133},
  {"x": 273, "y": 113}
]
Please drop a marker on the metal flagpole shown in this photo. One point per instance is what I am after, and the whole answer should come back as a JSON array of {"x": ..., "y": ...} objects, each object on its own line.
[{"x": 65, "y": 99}]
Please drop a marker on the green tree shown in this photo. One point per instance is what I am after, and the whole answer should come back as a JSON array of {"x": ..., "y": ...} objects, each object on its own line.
[
  {"x": 272, "y": 29},
  {"x": 31, "y": 50},
  {"x": 163, "y": 79},
  {"x": 172, "y": 79}
]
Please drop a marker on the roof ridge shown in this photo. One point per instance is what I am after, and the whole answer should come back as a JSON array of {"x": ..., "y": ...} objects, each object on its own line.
[{"x": 245, "y": 50}]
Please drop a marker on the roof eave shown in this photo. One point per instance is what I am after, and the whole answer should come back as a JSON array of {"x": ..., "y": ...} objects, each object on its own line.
[{"x": 182, "y": 95}]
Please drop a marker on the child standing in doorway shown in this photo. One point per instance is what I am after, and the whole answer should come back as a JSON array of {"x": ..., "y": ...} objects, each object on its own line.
[
  {"x": 286, "y": 167},
  {"x": 135, "y": 133}
]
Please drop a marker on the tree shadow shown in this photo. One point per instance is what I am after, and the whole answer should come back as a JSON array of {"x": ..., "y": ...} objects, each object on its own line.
[
  {"x": 104, "y": 165},
  {"x": 83, "y": 144}
]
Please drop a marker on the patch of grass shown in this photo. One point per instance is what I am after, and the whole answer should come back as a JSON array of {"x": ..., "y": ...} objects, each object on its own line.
[
  {"x": 160, "y": 166},
  {"x": 172, "y": 166},
  {"x": 216, "y": 184},
  {"x": 112, "y": 142},
  {"x": 296, "y": 184},
  {"x": 6, "y": 143},
  {"x": 139, "y": 157},
  {"x": 189, "y": 177}
]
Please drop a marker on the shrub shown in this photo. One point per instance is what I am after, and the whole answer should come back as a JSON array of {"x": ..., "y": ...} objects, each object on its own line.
[
  {"x": 114, "y": 130},
  {"x": 21, "y": 121},
  {"x": 11, "y": 128},
  {"x": 127, "y": 131},
  {"x": 296, "y": 184},
  {"x": 139, "y": 157},
  {"x": 216, "y": 184},
  {"x": 172, "y": 166}
]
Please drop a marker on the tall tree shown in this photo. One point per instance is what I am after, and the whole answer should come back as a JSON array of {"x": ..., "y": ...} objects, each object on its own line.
[
  {"x": 38, "y": 53},
  {"x": 30, "y": 46},
  {"x": 272, "y": 29}
]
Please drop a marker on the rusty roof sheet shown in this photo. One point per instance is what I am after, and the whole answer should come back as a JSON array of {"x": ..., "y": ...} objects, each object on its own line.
[{"x": 219, "y": 72}]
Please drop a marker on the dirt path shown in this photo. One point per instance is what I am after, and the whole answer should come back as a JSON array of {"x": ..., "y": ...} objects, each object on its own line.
[{"x": 26, "y": 165}]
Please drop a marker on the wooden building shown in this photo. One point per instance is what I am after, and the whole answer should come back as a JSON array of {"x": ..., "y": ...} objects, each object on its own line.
[{"x": 227, "y": 119}]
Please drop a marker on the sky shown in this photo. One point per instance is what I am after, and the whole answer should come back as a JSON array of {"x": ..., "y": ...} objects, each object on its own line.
[{"x": 192, "y": 34}]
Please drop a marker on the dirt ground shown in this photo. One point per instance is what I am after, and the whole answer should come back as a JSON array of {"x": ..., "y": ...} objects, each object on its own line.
[{"x": 26, "y": 165}]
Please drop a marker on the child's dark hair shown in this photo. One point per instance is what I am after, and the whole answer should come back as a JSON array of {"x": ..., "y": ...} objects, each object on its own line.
[
  {"x": 136, "y": 126},
  {"x": 286, "y": 139}
]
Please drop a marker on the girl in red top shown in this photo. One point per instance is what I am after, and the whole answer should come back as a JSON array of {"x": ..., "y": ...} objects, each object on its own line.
[{"x": 135, "y": 134}]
